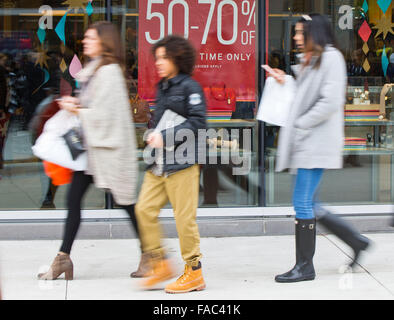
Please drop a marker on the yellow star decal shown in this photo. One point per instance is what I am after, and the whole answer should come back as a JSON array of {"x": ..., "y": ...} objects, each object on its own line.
[
  {"x": 42, "y": 58},
  {"x": 384, "y": 26},
  {"x": 76, "y": 4}
]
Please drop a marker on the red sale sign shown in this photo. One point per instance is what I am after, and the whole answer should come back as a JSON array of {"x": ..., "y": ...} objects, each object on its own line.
[{"x": 222, "y": 31}]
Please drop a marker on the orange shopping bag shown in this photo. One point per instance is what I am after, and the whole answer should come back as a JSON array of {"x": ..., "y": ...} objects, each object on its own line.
[{"x": 58, "y": 174}]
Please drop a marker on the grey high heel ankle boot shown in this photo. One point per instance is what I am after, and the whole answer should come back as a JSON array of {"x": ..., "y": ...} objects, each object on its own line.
[
  {"x": 61, "y": 264},
  {"x": 143, "y": 267}
]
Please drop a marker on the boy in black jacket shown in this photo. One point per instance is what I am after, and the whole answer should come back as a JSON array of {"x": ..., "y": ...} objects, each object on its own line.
[{"x": 176, "y": 177}]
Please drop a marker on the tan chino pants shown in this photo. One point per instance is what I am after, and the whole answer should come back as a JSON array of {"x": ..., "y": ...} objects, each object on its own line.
[{"x": 181, "y": 189}]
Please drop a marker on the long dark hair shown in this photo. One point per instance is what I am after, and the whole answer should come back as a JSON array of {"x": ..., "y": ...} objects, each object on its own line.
[
  {"x": 318, "y": 34},
  {"x": 112, "y": 44}
]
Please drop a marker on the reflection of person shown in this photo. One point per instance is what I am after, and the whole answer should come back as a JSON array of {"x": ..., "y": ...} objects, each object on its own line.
[
  {"x": 33, "y": 92},
  {"x": 4, "y": 115},
  {"x": 104, "y": 110},
  {"x": 276, "y": 59},
  {"x": 3, "y": 81},
  {"x": 313, "y": 140},
  {"x": 174, "y": 180},
  {"x": 44, "y": 111},
  {"x": 132, "y": 64},
  {"x": 17, "y": 87},
  {"x": 390, "y": 70},
  {"x": 210, "y": 180},
  {"x": 355, "y": 69}
]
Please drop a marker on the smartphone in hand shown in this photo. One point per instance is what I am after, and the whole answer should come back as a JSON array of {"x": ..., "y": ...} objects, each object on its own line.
[
  {"x": 267, "y": 68},
  {"x": 278, "y": 76}
]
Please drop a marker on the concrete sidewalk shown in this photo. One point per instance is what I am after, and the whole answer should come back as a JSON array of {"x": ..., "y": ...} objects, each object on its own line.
[{"x": 238, "y": 268}]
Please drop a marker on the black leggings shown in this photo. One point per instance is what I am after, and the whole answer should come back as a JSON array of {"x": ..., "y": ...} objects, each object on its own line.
[{"x": 79, "y": 185}]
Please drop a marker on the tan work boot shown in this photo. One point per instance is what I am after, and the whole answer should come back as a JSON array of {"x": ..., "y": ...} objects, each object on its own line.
[
  {"x": 161, "y": 270},
  {"x": 62, "y": 263},
  {"x": 191, "y": 280}
]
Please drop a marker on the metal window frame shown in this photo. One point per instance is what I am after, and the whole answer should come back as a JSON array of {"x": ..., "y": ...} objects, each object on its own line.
[{"x": 262, "y": 8}]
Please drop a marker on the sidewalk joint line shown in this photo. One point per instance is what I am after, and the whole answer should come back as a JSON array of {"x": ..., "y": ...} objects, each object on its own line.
[{"x": 362, "y": 267}]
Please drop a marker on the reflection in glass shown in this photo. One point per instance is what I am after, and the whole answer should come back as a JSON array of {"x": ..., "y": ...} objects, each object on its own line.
[
  {"x": 37, "y": 68},
  {"x": 368, "y": 173},
  {"x": 218, "y": 185}
]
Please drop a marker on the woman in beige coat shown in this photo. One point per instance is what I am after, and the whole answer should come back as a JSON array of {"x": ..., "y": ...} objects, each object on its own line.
[{"x": 108, "y": 133}]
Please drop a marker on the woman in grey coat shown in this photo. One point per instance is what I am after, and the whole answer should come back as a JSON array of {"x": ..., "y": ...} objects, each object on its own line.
[{"x": 313, "y": 138}]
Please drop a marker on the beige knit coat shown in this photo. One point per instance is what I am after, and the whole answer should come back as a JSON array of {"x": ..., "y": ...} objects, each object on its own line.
[{"x": 108, "y": 131}]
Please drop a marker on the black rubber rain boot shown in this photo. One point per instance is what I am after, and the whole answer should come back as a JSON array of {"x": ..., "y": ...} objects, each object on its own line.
[
  {"x": 305, "y": 234},
  {"x": 346, "y": 232}
]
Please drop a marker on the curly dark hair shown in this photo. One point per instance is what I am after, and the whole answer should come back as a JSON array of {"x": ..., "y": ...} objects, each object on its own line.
[{"x": 180, "y": 51}]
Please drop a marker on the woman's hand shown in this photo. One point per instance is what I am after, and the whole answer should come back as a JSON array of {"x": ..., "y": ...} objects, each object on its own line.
[
  {"x": 71, "y": 104},
  {"x": 155, "y": 140},
  {"x": 278, "y": 75}
]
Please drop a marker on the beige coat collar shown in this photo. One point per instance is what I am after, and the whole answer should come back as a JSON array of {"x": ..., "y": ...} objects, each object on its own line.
[{"x": 90, "y": 68}]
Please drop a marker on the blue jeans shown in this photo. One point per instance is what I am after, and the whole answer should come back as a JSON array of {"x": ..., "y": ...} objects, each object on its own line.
[{"x": 306, "y": 186}]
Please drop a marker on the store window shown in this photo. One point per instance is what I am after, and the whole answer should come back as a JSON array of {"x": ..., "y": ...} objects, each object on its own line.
[
  {"x": 38, "y": 59},
  {"x": 40, "y": 47},
  {"x": 365, "y": 37},
  {"x": 224, "y": 34}
]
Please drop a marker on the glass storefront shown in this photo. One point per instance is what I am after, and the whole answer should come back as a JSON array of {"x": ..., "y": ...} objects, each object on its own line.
[
  {"x": 40, "y": 50},
  {"x": 38, "y": 64},
  {"x": 227, "y": 39},
  {"x": 364, "y": 34},
  {"x": 223, "y": 32}
]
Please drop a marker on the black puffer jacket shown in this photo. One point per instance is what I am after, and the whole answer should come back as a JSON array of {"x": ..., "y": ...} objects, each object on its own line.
[{"x": 184, "y": 96}]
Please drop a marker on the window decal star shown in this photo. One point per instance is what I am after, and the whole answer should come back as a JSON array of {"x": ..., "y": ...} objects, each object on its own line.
[{"x": 384, "y": 26}]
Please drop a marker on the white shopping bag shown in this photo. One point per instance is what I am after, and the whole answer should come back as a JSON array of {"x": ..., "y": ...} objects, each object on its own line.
[
  {"x": 276, "y": 101},
  {"x": 51, "y": 146}
]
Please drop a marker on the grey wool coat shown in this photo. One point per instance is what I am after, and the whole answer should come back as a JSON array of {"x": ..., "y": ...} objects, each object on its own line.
[
  {"x": 108, "y": 130},
  {"x": 314, "y": 136}
]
